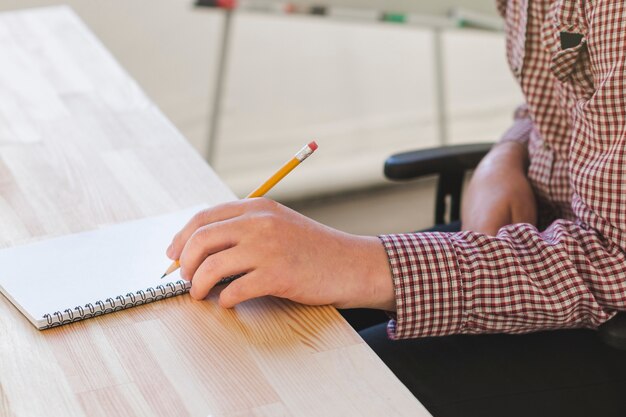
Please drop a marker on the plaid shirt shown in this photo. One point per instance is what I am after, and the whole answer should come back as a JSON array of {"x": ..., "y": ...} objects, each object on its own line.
[{"x": 569, "y": 57}]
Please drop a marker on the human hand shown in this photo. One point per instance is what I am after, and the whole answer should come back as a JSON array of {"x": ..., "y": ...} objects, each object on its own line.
[
  {"x": 283, "y": 254},
  {"x": 499, "y": 192}
]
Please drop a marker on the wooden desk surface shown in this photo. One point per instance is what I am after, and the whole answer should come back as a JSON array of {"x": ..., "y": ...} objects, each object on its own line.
[{"x": 82, "y": 147}]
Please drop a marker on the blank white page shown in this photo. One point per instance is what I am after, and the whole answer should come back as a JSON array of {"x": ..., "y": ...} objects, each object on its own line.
[{"x": 80, "y": 269}]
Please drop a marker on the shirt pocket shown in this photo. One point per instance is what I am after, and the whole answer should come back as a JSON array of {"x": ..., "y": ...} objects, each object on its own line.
[
  {"x": 565, "y": 64},
  {"x": 564, "y": 36}
]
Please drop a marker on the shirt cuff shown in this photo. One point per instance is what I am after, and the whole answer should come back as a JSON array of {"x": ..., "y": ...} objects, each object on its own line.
[
  {"x": 520, "y": 130},
  {"x": 428, "y": 287}
]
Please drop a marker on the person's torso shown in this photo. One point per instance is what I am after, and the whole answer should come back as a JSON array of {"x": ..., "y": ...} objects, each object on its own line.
[{"x": 548, "y": 44}]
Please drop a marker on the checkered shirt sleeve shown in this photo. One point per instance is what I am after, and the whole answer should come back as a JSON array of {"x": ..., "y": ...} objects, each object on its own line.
[
  {"x": 518, "y": 281},
  {"x": 573, "y": 273}
]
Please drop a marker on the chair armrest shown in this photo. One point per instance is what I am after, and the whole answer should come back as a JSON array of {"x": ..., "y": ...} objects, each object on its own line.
[
  {"x": 449, "y": 163},
  {"x": 442, "y": 160}
]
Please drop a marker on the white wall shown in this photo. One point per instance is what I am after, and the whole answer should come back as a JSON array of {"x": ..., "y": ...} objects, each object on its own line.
[{"x": 362, "y": 90}]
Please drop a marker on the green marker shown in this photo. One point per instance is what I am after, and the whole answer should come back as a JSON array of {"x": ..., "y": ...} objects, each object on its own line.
[{"x": 394, "y": 17}]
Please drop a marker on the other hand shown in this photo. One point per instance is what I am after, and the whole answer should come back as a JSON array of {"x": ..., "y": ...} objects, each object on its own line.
[{"x": 499, "y": 192}]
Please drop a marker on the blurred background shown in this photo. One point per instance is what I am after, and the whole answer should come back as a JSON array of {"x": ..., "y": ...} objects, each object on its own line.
[{"x": 361, "y": 87}]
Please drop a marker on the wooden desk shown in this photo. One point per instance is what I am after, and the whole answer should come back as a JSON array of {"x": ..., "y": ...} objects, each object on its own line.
[{"x": 82, "y": 147}]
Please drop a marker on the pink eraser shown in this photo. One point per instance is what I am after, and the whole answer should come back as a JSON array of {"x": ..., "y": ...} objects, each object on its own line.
[
  {"x": 313, "y": 146},
  {"x": 227, "y": 4}
]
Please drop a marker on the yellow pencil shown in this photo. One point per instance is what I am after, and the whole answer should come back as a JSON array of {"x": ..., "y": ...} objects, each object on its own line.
[{"x": 303, "y": 154}]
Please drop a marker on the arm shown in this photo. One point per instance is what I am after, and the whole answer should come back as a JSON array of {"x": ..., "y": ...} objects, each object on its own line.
[{"x": 520, "y": 280}]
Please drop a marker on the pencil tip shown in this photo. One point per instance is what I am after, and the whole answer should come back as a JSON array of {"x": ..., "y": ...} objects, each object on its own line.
[{"x": 164, "y": 275}]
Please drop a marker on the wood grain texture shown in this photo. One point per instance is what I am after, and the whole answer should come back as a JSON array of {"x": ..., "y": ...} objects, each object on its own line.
[{"x": 81, "y": 147}]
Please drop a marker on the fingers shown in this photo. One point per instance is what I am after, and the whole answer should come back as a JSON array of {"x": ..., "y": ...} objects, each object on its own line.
[
  {"x": 245, "y": 288},
  {"x": 216, "y": 243},
  {"x": 208, "y": 240},
  {"x": 217, "y": 266},
  {"x": 211, "y": 215}
]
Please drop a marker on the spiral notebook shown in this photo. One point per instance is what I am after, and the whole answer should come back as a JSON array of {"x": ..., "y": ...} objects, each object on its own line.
[{"x": 75, "y": 277}]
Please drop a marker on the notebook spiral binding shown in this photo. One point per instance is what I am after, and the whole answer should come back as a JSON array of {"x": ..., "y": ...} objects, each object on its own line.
[{"x": 117, "y": 303}]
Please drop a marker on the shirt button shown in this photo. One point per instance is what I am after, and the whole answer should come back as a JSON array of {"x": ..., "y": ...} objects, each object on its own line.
[{"x": 546, "y": 146}]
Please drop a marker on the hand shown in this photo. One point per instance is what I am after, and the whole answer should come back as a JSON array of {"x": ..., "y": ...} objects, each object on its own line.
[
  {"x": 499, "y": 192},
  {"x": 283, "y": 254}
]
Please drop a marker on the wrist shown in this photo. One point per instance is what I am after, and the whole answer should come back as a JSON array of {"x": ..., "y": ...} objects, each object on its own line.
[
  {"x": 381, "y": 293},
  {"x": 371, "y": 281}
]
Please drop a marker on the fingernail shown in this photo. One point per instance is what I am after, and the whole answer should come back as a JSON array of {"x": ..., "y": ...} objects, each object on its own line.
[
  {"x": 169, "y": 250},
  {"x": 183, "y": 274},
  {"x": 194, "y": 294}
]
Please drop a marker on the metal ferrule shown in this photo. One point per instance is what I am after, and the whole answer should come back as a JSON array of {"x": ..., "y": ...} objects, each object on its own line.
[{"x": 304, "y": 153}]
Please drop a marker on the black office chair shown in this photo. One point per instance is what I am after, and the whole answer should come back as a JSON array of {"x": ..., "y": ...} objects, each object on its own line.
[{"x": 450, "y": 164}]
